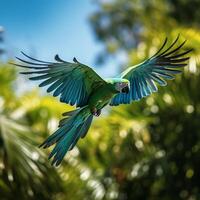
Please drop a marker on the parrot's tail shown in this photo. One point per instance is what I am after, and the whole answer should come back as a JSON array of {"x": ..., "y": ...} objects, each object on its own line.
[{"x": 75, "y": 125}]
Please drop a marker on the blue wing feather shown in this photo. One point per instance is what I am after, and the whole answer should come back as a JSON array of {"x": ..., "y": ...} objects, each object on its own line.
[
  {"x": 69, "y": 80},
  {"x": 165, "y": 64}
]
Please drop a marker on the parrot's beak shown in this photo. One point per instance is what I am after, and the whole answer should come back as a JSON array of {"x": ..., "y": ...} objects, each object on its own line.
[{"x": 125, "y": 90}]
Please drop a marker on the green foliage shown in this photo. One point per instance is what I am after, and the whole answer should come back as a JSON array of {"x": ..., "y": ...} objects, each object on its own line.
[
  {"x": 23, "y": 173},
  {"x": 152, "y": 147},
  {"x": 7, "y": 77}
]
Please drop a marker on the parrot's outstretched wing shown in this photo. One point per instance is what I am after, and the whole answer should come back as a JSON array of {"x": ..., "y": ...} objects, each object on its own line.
[
  {"x": 74, "y": 82},
  {"x": 160, "y": 67}
]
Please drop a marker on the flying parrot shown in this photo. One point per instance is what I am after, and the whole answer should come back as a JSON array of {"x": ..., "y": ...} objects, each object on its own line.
[{"x": 79, "y": 85}]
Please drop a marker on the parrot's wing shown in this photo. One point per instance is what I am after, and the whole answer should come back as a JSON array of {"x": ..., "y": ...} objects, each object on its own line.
[
  {"x": 74, "y": 82},
  {"x": 160, "y": 67}
]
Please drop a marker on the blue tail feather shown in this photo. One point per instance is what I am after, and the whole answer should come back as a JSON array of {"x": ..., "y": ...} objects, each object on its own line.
[
  {"x": 83, "y": 131},
  {"x": 71, "y": 128}
]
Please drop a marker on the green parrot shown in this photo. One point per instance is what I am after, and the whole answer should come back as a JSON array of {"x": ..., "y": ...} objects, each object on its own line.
[{"x": 79, "y": 85}]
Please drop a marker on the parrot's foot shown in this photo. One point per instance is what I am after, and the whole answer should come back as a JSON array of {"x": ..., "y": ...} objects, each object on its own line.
[{"x": 96, "y": 112}]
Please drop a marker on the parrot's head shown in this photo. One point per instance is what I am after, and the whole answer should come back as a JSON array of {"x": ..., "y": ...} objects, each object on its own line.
[{"x": 123, "y": 86}]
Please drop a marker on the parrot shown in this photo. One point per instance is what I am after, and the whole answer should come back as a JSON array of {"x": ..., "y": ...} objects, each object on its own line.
[{"x": 79, "y": 85}]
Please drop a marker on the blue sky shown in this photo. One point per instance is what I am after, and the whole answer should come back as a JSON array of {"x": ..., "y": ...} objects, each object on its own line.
[{"x": 44, "y": 28}]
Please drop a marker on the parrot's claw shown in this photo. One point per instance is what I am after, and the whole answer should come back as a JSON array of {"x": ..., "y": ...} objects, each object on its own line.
[{"x": 96, "y": 112}]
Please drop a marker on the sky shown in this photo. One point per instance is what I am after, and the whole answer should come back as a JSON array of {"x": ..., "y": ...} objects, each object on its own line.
[{"x": 43, "y": 28}]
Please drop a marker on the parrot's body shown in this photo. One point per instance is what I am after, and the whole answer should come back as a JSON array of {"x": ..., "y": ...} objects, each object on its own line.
[
  {"x": 77, "y": 84},
  {"x": 102, "y": 94}
]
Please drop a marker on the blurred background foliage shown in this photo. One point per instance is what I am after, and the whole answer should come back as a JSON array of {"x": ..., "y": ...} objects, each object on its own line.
[{"x": 147, "y": 150}]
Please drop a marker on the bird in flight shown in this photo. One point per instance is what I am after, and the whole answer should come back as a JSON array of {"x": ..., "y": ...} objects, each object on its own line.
[{"x": 78, "y": 84}]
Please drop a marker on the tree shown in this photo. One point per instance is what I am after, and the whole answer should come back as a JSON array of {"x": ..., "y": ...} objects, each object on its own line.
[{"x": 153, "y": 144}]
